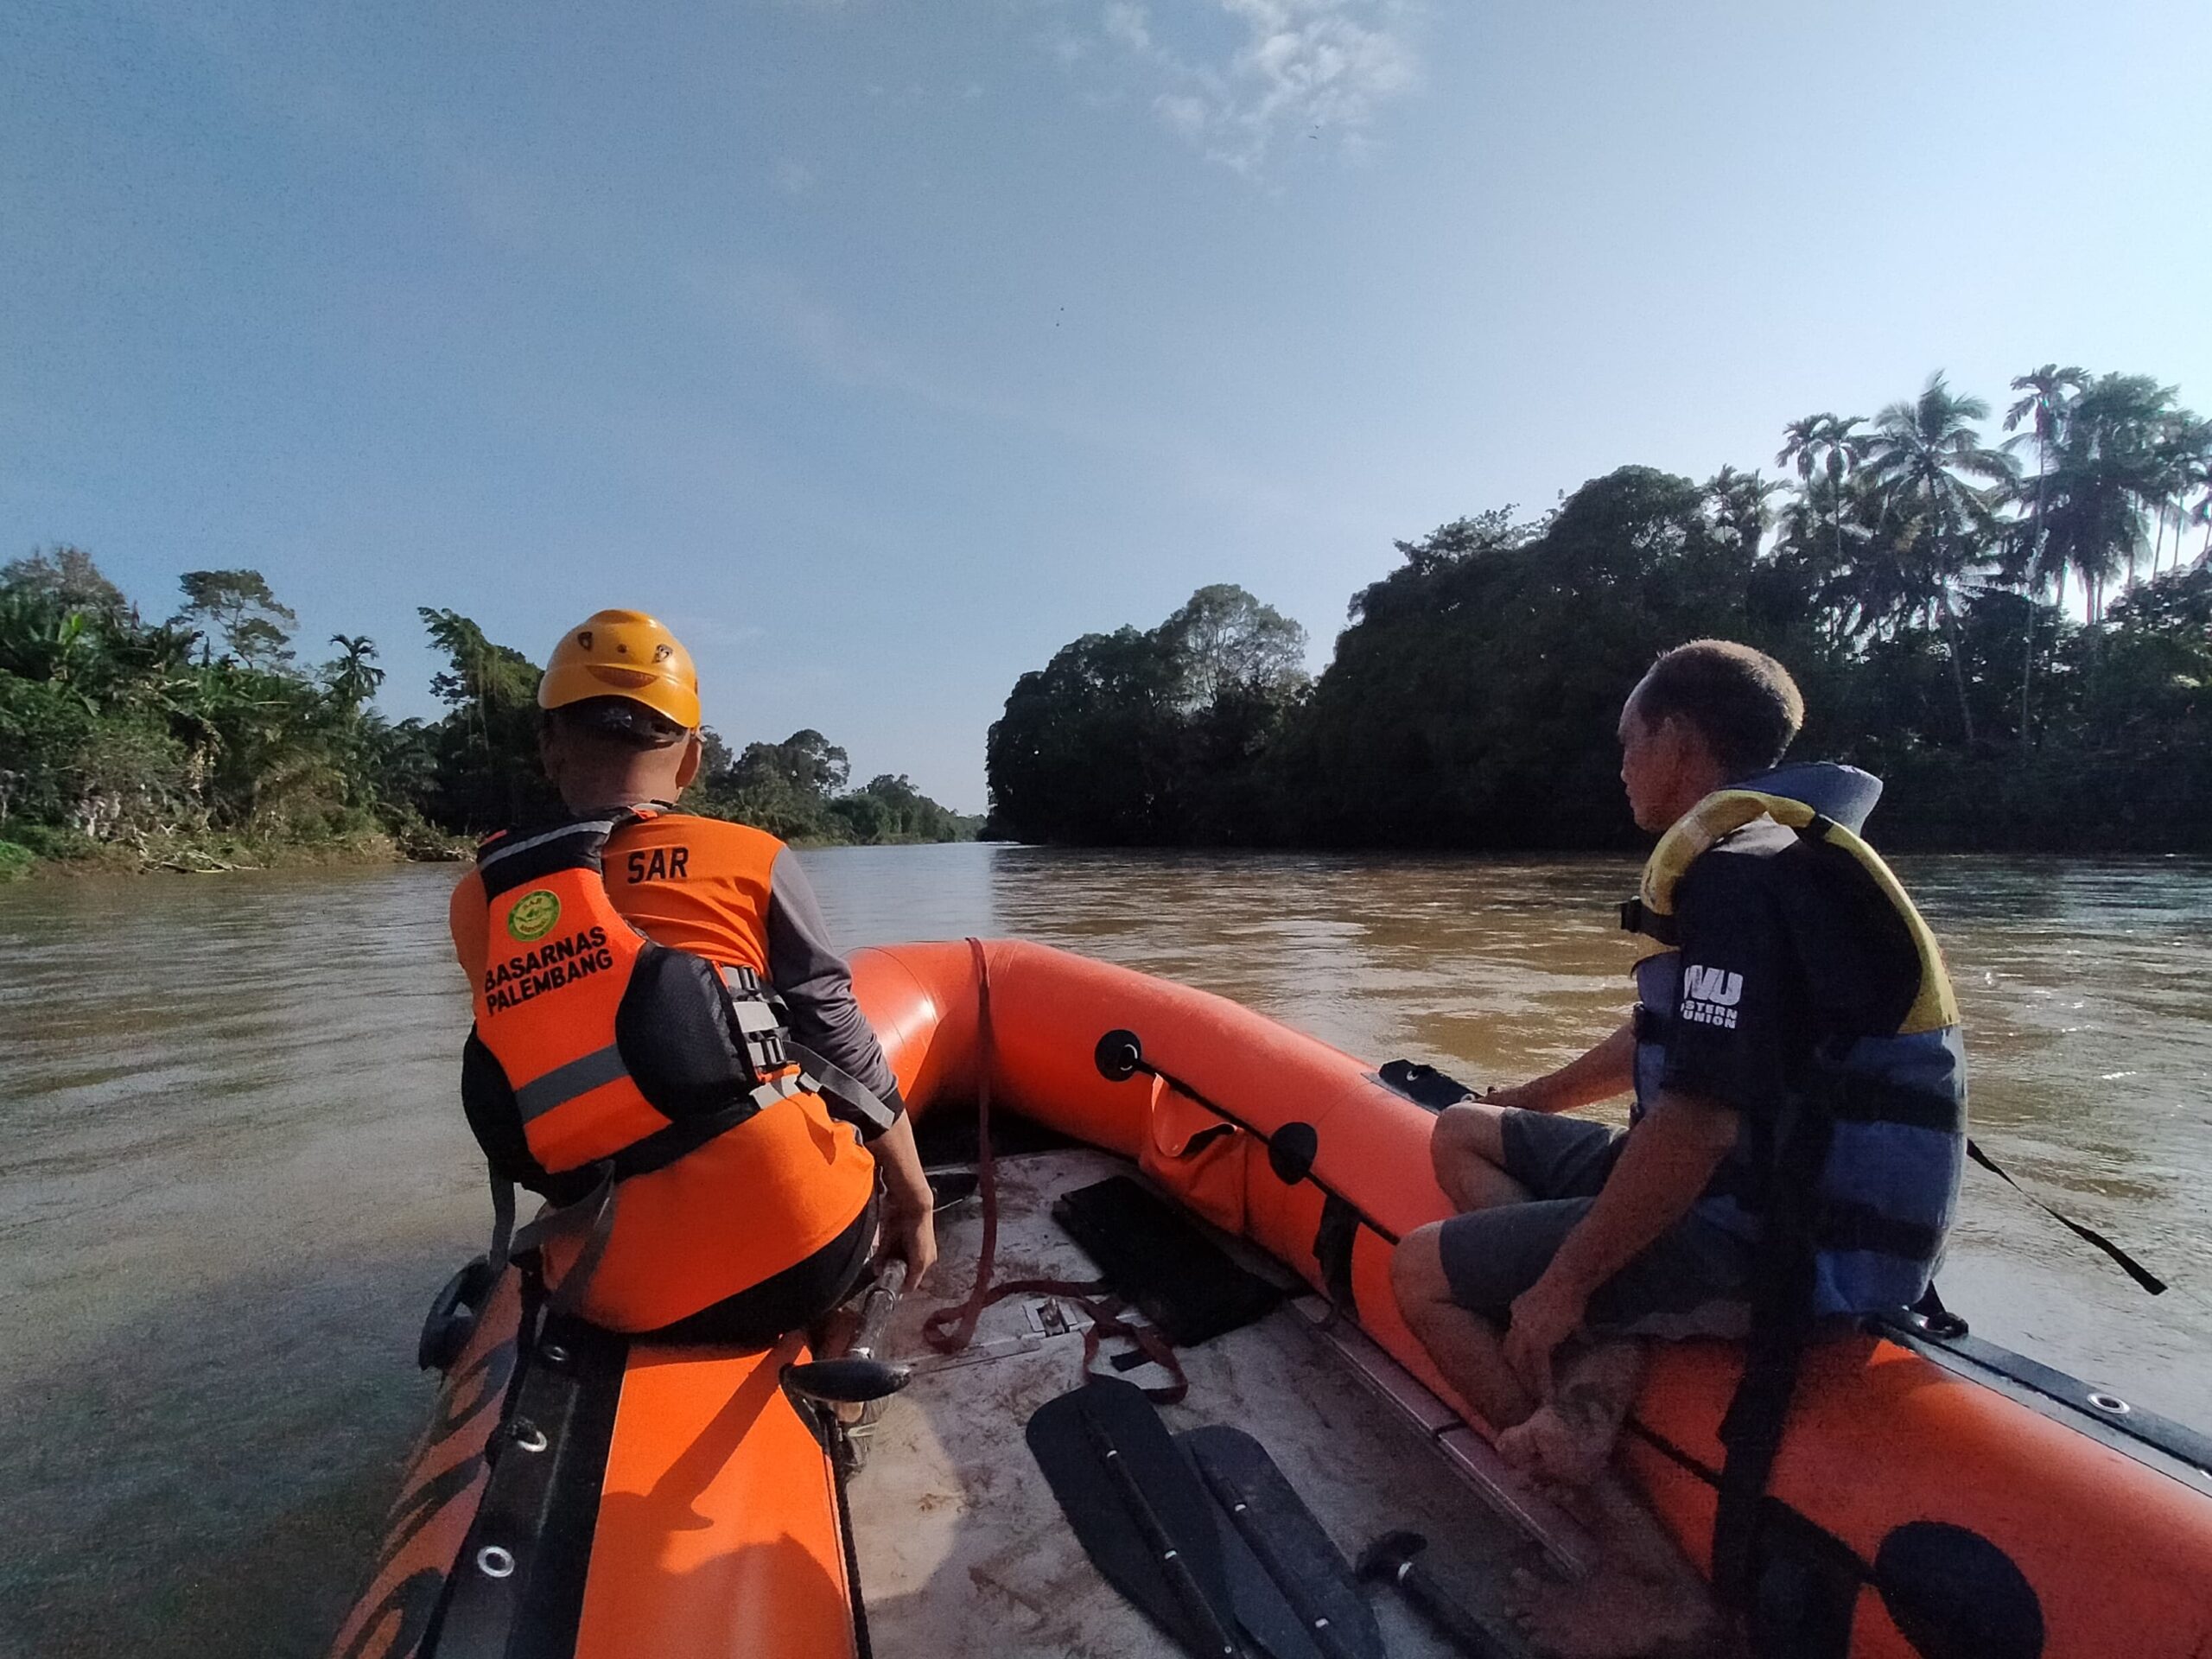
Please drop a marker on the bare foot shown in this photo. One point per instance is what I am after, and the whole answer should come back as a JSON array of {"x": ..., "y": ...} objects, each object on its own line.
[
  {"x": 1644, "y": 1600},
  {"x": 1566, "y": 1440}
]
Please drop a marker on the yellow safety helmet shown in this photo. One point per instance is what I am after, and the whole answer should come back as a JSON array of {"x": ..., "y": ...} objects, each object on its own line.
[{"x": 623, "y": 654}]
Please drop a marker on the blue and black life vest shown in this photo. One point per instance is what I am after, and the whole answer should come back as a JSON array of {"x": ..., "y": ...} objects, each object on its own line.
[{"x": 1863, "y": 1163}]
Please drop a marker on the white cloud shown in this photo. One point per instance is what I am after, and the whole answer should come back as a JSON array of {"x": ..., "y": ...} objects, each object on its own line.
[
  {"x": 1318, "y": 67},
  {"x": 1182, "y": 112},
  {"x": 773, "y": 305},
  {"x": 1126, "y": 23}
]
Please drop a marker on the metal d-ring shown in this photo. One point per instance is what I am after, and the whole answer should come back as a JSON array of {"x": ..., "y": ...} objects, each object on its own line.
[
  {"x": 494, "y": 1562},
  {"x": 528, "y": 1436}
]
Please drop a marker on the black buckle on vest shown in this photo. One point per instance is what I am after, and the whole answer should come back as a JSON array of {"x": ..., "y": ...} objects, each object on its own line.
[{"x": 1636, "y": 919}]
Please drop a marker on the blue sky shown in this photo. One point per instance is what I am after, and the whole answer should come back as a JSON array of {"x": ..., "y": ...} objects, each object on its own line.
[{"x": 882, "y": 347}]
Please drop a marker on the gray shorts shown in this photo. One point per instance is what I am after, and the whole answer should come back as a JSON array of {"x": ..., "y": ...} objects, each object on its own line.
[{"x": 1693, "y": 1282}]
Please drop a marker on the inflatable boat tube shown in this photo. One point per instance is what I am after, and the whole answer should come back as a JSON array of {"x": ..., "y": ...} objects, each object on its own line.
[{"x": 1935, "y": 1496}]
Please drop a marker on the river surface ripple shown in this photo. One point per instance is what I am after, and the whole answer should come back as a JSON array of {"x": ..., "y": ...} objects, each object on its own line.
[{"x": 235, "y": 1167}]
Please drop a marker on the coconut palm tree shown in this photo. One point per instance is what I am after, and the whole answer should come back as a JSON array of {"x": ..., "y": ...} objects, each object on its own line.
[
  {"x": 1921, "y": 455},
  {"x": 1737, "y": 502},
  {"x": 2109, "y": 472},
  {"x": 2199, "y": 471},
  {"x": 2047, "y": 391},
  {"x": 2183, "y": 452},
  {"x": 1827, "y": 444},
  {"x": 2050, "y": 390}
]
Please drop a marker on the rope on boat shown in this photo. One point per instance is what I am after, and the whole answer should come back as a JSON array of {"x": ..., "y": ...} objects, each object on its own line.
[{"x": 952, "y": 1327}]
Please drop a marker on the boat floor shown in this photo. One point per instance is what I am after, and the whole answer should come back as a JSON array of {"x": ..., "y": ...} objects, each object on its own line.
[{"x": 961, "y": 1547}]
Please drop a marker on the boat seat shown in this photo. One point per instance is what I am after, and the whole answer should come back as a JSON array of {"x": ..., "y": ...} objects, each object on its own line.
[{"x": 718, "y": 1530}]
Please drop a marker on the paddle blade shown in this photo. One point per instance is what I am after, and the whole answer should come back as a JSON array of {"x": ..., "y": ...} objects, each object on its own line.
[{"x": 1127, "y": 1537}]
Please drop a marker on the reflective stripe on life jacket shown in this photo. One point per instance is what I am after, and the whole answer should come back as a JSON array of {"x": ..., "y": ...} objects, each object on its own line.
[
  {"x": 603, "y": 1063},
  {"x": 1889, "y": 1106}
]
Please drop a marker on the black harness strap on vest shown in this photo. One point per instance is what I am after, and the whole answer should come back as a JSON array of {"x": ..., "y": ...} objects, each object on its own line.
[
  {"x": 568, "y": 1296},
  {"x": 2128, "y": 1265},
  {"x": 599, "y": 1204},
  {"x": 503, "y": 1221},
  {"x": 1781, "y": 1326}
]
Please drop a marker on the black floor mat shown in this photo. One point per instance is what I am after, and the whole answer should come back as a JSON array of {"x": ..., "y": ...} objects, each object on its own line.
[{"x": 1158, "y": 1258}]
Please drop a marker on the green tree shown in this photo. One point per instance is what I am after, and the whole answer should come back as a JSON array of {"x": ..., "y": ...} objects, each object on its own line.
[
  {"x": 1087, "y": 749},
  {"x": 486, "y": 775},
  {"x": 1827, "y": 447},
  {"x": 2043, "y": 407},
  {"x": 2183, "y": 467},
  {"x": 2107, "y": 472},
  {"x": 1222, "y": 642},
  {"x": 353, "y": 679},
  {"x": 1923, "y": 454},
  {"x": 67, "y": 578},
  {"x": 256, "y": 628},
  {"x": 1737, "y": 502}
]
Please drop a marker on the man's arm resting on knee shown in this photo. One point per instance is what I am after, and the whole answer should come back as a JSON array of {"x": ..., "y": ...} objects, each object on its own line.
[
  {"x": 1606, "y": 1071},
  {"x": 1662, "y": 1171}
]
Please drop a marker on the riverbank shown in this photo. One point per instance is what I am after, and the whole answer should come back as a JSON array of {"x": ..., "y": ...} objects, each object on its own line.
[{"x": 45, "y": 853}]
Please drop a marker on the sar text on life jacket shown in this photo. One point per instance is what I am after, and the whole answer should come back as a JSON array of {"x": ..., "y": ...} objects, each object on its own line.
[
  {"x": 547, "y": 968},
  {"x": 660, "y": 864}
]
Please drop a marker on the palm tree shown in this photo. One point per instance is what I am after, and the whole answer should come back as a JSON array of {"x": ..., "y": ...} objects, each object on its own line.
[
  {"x": 1921, "y": 455},
  {"x": 353, "y": 678},
  {"x": 2109, "y": 470},
  {"x": 1826, "y": 443},
  {"x": 2199, "y": 478},
  {"x": 1739, "y": 502},
  {"x": 2048, "y": 390},
  {"x": 2184, "y": 453}
]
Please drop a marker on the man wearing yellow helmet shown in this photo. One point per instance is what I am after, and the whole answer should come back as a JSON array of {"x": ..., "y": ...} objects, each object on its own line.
[{"x": 666, "y": 1043}]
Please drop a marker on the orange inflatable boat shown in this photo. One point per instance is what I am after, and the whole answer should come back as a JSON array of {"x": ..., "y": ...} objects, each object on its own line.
[{"x": 1934, "y": 1495}]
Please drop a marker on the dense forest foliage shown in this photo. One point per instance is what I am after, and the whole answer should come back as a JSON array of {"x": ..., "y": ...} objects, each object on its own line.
[
  {"x": 203, "y": 739},
  {"x": 2014, "y": 630}
]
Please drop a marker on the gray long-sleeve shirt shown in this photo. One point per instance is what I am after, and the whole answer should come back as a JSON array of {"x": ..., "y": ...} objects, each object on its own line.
[{"x": 816, "y": 984}]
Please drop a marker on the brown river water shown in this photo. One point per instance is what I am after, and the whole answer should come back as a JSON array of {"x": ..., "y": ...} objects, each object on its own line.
[{"x": 232, "y": 1166}]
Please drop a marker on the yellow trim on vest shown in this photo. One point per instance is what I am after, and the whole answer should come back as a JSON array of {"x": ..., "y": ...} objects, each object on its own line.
[{"x": 1724, "y": 811}]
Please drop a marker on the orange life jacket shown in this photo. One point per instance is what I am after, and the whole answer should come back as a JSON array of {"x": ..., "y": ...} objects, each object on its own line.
[{"x": 653, "y": 1095}]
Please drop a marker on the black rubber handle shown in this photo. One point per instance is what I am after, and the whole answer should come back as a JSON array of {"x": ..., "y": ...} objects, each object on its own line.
[{"x": 1449, "y": 1614}]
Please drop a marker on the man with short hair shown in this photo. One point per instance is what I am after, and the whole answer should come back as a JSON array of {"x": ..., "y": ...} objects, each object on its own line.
[
  {"x": 753, "y": 1153},
  {"x": 1797, "y": 1140}
]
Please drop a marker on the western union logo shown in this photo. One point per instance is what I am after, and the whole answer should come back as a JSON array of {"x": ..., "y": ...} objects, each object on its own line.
[{"x": 1710, "y": 996}]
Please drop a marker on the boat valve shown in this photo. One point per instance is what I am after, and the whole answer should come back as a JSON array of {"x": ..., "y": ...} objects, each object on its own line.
[{"x": 1118, "y": 1054}]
